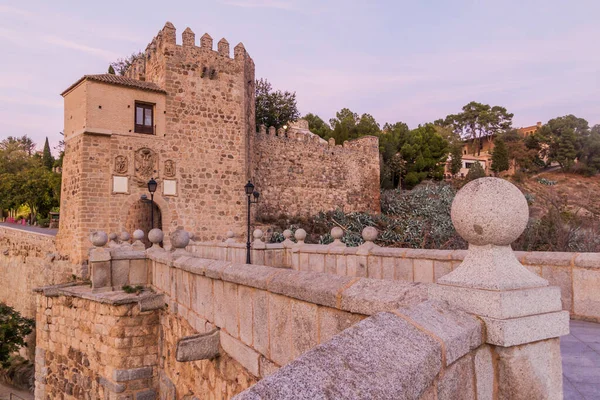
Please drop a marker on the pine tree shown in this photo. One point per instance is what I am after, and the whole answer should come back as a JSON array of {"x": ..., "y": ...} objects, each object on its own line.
[
  {"x": 456, "y": 158},
  {"x": 500, "y": 159},
  {"x": 111, "y": 70},
  {"x": 47, "y": 159},
  {"x": 475, "y": 172}
]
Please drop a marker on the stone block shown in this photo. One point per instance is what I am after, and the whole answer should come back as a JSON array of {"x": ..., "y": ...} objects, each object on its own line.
[
  {"x": 374, "y": 267},
  {"x": 202, "y": 296},
  {"x": 304, "y": 328},
  {"x": 388, "y": 268},
  {"x": 120, "y": 273},
  {"x": 515, "y": 331},
  {"x": 245, "y": 303},
  {"x": 457, "y": 381},
  {"x": 260, "y": 321},
  {"x": 99, "y": 255},
  {"x": 499, "y": 304},
  {"x": 561, "y": 277},
  {"x": 218, "y": 303},
  {"x": 381, "y": 357},
  {"x": 531, "y": 371},
  {"x": 183, "y": 287},
  {"x": 216, "y": 268},
  {"x": 111, "y": 386},
  {"x": 549, "y": 258},
  {"x": 101, "y": 274},
  {"x": 316, "y": 262},
  {"x": 280, "y": 329},
  {"x": 330, "y": 264},
  {"x": 125, "y": 375},
  {"x": 266, "y": 367},
  {"x": 340, "y": 265},
  {"x": 441, "y": 268},
  {"x": 370, "y": 296},
  {"x": 312, "y": 287},
  {"x": 404, "y": 270},
  {"x": 332, "y": 322},
  {"x": 461, "y": 332},
  {"x": 423, "y": 270},
  {"x": 204, "y": 346},
  {"x": 588, "y": 260},
  {"x": 249, "y": 275},
  {"x": 243, "y": 354},
  {"x": 138, "y": 272},
  {"x": 230, "y": 308},
  {"x": 146, "y": 394},
  {"x": 484, "y": 373},
  {"x": 154, "y": 302},
  {"x": 586, "y": 296}
]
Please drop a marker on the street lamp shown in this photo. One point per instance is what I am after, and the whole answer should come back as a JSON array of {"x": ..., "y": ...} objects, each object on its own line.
[
  {"x": 152, "y": 185},
  {"x": 250, "y": 192}
]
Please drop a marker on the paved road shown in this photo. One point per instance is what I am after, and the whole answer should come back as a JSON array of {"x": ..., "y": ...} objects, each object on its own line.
[
  {"x": 35, "y": 229},
  {"x": 581, "y": 361}
]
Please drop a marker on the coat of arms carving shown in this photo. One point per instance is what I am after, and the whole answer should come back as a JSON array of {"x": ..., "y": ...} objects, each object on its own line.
[
  {"x": 169, "y": 169},
  {"x": 121, "y": 166},
  {"x": 146, "y": 165}
]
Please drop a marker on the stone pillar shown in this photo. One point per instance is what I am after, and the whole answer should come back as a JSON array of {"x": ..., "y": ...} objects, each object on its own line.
[
  {"x": 100, "y": 262},
  {"x": 522, "y": 314}
]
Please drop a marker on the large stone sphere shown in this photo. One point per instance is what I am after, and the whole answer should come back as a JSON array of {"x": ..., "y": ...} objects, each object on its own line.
[
  {"x": 155, "y": 236},
  {"x": 300, "y": 234},
  {"x": 113, "y": 236},
  {"x": 490, "y": 211},
  {"x": 138, "y": 234},
  {"x": 125, "y": 236},
  {"x": 369, "y": 234},
  {"x": 99, "y": 238},
  {"x": 337, "y": 232},
  {"x": 230, "y": 234},
  {"x": 287, "y": 234},
  {"x": 258, "y": 233},
  {"x": 180, "y": 239}
]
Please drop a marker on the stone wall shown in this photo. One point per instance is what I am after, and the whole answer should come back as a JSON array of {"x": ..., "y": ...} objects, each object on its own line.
[
  {"x": 300, "y": 174},
  {"x": 577, "y": 274}
]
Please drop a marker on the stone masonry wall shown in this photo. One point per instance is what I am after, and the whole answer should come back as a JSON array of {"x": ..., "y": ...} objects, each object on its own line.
[
  {"x": 94, "y": 350},
  {"x": 302, "y": 175}
]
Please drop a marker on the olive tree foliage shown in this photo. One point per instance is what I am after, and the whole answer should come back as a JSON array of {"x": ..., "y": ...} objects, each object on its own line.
[
  {"x": 274, "y": 107},
  {"x": 13, "y": 331},
  {"x": 120, "y": 66}
]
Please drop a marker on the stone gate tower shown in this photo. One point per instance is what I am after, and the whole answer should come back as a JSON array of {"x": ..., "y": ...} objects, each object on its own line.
[{"x": 183, "y": 114}]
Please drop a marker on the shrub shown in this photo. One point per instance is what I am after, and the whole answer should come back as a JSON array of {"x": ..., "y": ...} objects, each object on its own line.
[
  {"x": 13, "y": 330},
  {"x": 475, "y": 172}
]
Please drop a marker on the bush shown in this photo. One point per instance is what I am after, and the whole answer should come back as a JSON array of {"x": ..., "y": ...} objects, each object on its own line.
[
  {"x": 475, "y": 172},
  {"x": 13, "y": 330},
  {"x": 42, "y": 222}
]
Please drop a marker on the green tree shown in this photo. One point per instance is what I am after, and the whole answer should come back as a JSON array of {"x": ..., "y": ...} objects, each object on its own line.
[
  {"x": 456, "y": 151},
  {"x": 478, "y": 122},
  {"x": 590, "y": 154},
  {"x": 500, "y": 159},
  {"x": 111, "y": 70},
  {"x": 274, "y": 108},
  {"x": 475, "y": 172},
  {"x": 13, "y": 331},
  {"x": 563, "y": 139},
  {"x": 47, "y": 159},
  {"x": 393, "y": 167},
  {"x": 318, "y": 126},
  {"x": 425, "y": 153},
  {"x": 122, "y": 64},
  {"x": 347, "y": 125}
]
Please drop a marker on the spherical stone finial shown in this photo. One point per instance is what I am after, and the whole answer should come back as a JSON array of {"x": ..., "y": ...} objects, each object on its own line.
[
  {"x": 369, "y": 234},
  {"x": 337, "y": 232},
  {"x": 287, "y": 234},
  {"x": 258, "y": 233},
  {"x": 230, "y": 235},
  {"x": 125, "y": 236},
  {"x": 138, "y": 234},
  {"x": 300, "y": 235},
  {"x": 180, "y": 239},
  {"x": 490, "y": 211},
  {"x": 113, "y": 236},
  {"x": 155, "y": 236},
  {"x": 99, "y": 238}
]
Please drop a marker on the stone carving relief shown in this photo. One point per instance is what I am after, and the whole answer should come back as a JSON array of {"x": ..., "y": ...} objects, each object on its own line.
[
  {"x": 169, "y": 169},
  {"x": 146, "y": 166},
  {"x": 121, "y": 165}
]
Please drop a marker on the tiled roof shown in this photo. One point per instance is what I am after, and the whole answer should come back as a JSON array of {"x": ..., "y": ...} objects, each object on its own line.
[{"x": 118, "y": 80}]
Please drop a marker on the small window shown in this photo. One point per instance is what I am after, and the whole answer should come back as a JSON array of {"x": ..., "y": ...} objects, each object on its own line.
[{"x": 144, "y": 118}]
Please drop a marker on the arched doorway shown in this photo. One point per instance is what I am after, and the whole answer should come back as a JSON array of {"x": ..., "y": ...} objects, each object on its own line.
[{"x": 140, "y": 217}]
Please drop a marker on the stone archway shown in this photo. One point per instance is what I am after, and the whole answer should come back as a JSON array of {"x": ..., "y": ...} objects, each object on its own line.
[{"x": 139, "y": 217}]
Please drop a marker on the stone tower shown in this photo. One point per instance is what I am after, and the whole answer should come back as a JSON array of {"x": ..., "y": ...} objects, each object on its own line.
[{"x": 183, "y": 114}]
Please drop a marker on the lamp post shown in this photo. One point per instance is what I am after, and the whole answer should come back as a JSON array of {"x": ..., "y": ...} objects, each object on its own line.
[
  {"x": 152, "y": 185},
  {"x": 250, "y": 193}
]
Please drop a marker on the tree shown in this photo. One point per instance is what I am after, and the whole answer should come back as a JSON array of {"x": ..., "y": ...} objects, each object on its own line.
[
  {"x": 13, "y": 330},
  {"x": 425, "y": 153},
  {"x": 23, "y": 143},
  {"x": 500, "y": 159},
  {"x": 563, "y": 139},
  {"x": 477, "y": 122},
  {"x": 111, "y": 70},
  {"x": 317, "y": 126},
  {"x": 475, "y": 172},
  {"x": 274, "y": 108},
  {"x": 122, "y": 64},
  {"x": 523, "y": 151},
  {"x": 456, "y": 158},
  {"x": 393, "y": 167},
  {"x": 47, "y": 159},
  {"x": 347, "y": 125}
]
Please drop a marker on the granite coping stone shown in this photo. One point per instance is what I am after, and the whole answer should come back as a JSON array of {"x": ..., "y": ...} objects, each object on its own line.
[
  {"x": 121, "y": 254},
  {"x": 216, "y": 268},
  {"x": 388, "y": 252},
  {"x": 370, "y": 296},
  {"x": 381, "y": 357},
  {"x": 114, "y": 297},
  {"x": 588, "y": 260},
  {"x": 204, "y": 346},
  {"x": 256, "y": 276},
  {"x": 460, "y": 332},
  {"x": 160, "y": 255},
  {"x": 558, "y": 259},
  {"x": 125, "y": 375},
  {"x": 429, "y": 254}
]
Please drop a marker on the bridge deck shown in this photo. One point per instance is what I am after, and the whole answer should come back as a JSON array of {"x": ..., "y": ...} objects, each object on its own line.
[
  {"x": 34, "y": 229},
  {"x": 581, "y": 361}
]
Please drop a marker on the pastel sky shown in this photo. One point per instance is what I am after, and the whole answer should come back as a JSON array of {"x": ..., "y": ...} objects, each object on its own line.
[{"x": 412, "y": 61}]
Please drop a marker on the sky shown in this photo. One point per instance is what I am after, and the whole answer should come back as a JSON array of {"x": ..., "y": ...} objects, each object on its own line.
[{"x": 410, "y": 61}]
